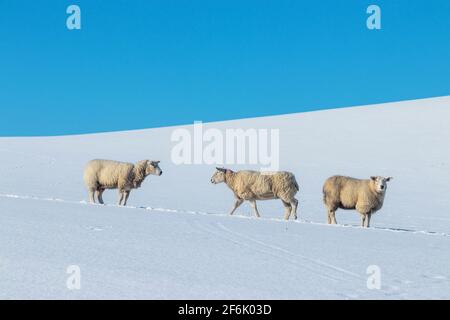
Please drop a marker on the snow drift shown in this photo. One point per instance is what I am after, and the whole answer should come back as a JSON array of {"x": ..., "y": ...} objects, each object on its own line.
[{"x": 174, "y": 240}]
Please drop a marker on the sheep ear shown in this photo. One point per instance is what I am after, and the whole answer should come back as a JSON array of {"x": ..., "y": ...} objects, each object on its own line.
[
  {"x": 221, "y": 169},
  {"x": 389, "y": 178},
  {"x": 373, "y": 178}
]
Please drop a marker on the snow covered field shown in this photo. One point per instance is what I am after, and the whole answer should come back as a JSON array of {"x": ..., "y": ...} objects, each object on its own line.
[{"x": 175, "y": 239}]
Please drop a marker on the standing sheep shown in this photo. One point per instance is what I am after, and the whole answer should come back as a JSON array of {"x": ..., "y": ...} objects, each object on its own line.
[
  {"x": 100, "y": 175},
  {"x": 366, "y": 196},
  {"x": 252, "y": 186}
]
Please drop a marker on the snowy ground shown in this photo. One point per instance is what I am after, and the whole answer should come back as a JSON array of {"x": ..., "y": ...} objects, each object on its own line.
[{"x": 175, "y": 239}]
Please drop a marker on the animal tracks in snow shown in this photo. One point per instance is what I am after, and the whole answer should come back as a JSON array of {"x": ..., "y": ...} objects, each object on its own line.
[
  {"x": 315, "y": 267},
  {"x": 318, "y": 265},
  {"x": 192, "y": 212},
  {"x": 266, "y": 250}
]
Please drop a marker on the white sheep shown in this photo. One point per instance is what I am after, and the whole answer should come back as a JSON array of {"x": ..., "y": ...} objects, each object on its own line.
[
  {"x": 366, "y": 196},
  {"x": 252, "y": 186},
  {"x": 100, "y": 175}
]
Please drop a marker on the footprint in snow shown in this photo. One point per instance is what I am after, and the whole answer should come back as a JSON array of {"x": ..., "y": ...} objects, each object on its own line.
[
  {"x": 97, "y": 228},
  {"x": 435, "y": 277}
]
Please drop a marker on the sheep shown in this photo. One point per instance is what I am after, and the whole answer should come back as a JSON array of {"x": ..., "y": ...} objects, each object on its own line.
[
  {"x": 252, "y": 186},
  {"x": 100, "y": 175},
  {"x": 366, "y": 196}
]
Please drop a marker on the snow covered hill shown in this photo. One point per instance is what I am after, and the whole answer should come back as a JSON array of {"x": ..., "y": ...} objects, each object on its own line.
[{"x": 175, "y": 239}]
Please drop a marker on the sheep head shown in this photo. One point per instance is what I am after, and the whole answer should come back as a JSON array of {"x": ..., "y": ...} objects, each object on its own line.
[
  {"x": 379, "y": 184},
  {"x": 148, "y": 167},
  {"x": 152, "y": 167},
  {"x": 220, "y": 175}
]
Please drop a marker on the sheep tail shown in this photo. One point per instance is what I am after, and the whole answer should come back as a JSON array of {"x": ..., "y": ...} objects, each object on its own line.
[
  {"x": 324, "y": 196},
  {"x": 294, "y": 182}
]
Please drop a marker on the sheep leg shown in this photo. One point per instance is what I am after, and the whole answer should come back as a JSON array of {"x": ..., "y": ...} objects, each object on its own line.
[
  {"x": 332, "y": 217},
  {"x": 100, "y": 195},
  {"x": 294, "y": 203},
  {"x": 288, "y": 209},
  {"x": 255, "y": 208},
  {"x": 363, "y": 220},
  {"x": 127, "y": 194},
  {"x": 91, "y": 196},
  {"x": 121, "y": 194},
  {"x": 369, "y": 215},
  {"x": 236, "y": 205}
]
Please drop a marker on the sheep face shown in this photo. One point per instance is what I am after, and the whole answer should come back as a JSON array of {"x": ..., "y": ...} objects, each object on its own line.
[
  {"x": 218, "y": 176},
  {"x": 153, "y": 168},
  {"x": 380, "y": 183}
]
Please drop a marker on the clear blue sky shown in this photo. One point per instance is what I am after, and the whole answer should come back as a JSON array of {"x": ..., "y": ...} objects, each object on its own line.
[{"x": 142, "y": 64}]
